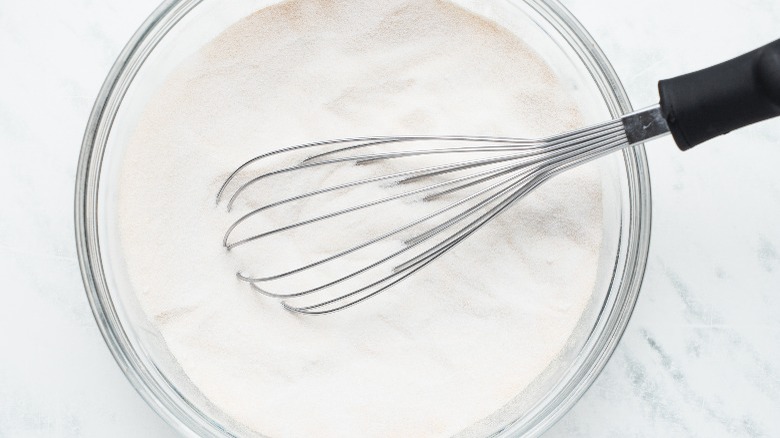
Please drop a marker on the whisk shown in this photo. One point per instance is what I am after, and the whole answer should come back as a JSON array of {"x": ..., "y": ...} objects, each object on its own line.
[{"x": 453, "y": 184}]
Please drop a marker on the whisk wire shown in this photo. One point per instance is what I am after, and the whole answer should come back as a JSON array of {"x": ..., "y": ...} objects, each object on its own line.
[{"x": 496, "y": 182}]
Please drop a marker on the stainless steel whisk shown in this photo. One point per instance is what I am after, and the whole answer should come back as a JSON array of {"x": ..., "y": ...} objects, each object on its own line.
[{"x": 461, "y": 194}]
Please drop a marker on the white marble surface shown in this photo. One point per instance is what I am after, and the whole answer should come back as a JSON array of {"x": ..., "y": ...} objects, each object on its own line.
[{"x": 701, "y": 356}]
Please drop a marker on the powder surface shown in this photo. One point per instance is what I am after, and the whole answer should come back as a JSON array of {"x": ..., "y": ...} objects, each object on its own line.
[{"x": 443, "y": 350}]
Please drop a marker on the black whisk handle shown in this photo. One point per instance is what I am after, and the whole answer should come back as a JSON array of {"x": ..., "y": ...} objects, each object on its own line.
[{"x": 711, "y": 102}]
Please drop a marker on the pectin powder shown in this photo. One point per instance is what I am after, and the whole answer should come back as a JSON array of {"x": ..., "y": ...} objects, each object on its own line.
[{"x": 443, "y": 351}]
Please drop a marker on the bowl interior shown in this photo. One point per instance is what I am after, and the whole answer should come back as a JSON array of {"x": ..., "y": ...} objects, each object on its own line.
[{"x": 178, "y": 29}]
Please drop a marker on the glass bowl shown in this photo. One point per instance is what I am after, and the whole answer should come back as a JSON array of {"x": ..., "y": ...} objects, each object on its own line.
[{"x": 178, "y": 28}]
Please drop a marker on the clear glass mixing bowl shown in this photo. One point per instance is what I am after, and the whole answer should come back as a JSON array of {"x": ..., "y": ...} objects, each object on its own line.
[{"x": 177, "y": 29}]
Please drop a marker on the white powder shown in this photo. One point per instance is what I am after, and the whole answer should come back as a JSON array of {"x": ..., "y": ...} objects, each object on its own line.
[{"x": 438, "y": 353}]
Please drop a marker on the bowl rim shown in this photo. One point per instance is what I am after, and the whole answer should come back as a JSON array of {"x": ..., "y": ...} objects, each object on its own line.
[{"x": 161, "y": 394}]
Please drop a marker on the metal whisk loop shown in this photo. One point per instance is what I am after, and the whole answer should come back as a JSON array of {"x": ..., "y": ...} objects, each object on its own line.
[{"x": 483, "y": 176}]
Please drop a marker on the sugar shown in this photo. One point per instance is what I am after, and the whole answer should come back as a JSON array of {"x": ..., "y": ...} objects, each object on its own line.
[{"x": 442, "y": 351}]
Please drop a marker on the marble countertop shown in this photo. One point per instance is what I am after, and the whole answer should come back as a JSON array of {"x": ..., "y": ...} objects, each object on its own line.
[{"x": 700, "y": 357}]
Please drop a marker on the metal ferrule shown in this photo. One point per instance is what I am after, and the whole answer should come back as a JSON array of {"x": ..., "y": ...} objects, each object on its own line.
[{"x": 645, "y": 125}]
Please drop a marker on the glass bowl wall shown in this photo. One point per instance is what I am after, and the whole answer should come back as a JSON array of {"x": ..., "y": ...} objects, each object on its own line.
[{"x": 176, "y": 30}]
